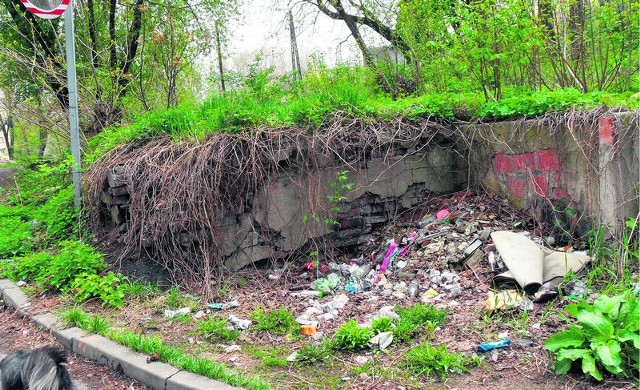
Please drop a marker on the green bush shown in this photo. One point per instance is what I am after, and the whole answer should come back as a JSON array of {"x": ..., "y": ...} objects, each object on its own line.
[
  {"x": 109, "y": 288},
  {"x": 606, "y": 338},
  {"x": 15, "y": 236},
  {"x": 432, "y": 361},
  {"x": 279, "y": 321},
  {"x": 350, "y": 336},
  {"x": 57, "y": 271},
  {"x": 58, "y": 215}
]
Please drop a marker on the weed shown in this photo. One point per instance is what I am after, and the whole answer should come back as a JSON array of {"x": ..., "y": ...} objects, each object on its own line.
[
  {"x": 109, "y": 288},
  {"x": 271, "y": 361},
  {"x": 606, "y": 338},
  {"x": 351, "y": 336},
  {"x": 311, "y": 353},
  {"x": 417, "y": 317},
  {"x": 140, "y": 291},
  {"x": 98, "y": 324},
  {"x": 279, "y": 321},
  {"x": 174, "y": 299},
  {"x": 432, "y": 361},
  {"x": 76, "y": 317},
  {"x": 217, "y": 327},
  {"x": 381, "y": 324}
]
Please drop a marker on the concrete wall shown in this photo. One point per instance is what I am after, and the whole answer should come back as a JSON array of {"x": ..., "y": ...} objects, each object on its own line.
[
  {"x": 573, "y": 172},
  {"x": 577, "y": 170}
]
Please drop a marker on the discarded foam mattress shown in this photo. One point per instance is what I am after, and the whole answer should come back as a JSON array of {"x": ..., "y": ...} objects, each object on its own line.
[{"x": 530, "y": 265}]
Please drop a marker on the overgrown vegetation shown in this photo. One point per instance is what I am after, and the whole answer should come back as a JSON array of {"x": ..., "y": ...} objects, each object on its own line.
[
  {"x": 433, "y": 361},
  {"x": 606, "y": 338}
]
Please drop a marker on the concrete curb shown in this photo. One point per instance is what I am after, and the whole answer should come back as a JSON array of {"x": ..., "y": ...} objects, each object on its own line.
[{"x": 157, "y": 375}]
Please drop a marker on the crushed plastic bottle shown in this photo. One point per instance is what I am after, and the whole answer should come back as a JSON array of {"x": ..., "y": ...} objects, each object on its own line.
[{"x": 484, "y": 347}]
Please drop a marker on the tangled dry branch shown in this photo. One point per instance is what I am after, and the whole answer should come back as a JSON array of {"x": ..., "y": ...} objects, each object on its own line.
[{"x": 187, "y": 189}]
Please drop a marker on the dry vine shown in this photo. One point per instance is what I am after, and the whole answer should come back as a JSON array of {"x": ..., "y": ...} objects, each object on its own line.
[{"x": 182, "y": 193}]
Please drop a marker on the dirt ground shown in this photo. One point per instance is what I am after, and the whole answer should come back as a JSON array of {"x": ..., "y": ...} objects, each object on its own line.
[{"x": 18, "y": 333}]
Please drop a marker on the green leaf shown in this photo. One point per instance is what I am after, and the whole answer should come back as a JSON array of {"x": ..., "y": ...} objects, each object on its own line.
[
  {"x": 589, "y": 367},
  {"x": 609, "y": 355},
  {"x": 627, "y": 335},
  {"x": 563, "y": 366},
  {"x": 574, "y": 354},
  {"x": 609, "y": 305},
  {"x": 596, "y": 326},
  {"x": 573, "y": 337}
]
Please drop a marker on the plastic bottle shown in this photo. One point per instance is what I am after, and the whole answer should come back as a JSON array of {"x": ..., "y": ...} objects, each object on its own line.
[
  {"x": 484, "y": 347},
  {"x": 414, "y": 289},
  {"x": 392, "y": 248},
  {"x": 308, "y": 293}
]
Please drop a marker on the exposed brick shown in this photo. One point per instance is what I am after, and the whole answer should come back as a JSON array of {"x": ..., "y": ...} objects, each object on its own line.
[
  {"x": 516, "y": 185},
  {"x": 503, "y": 163},
  {"x": 547, "y": 160},
  {"x": 541, "y": 185},
  {"x": 523, "y": 162},
  {"x": 606, "y": 130}
]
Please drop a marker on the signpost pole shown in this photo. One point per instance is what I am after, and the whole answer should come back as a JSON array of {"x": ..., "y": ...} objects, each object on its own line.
[{"x": 70, "y": 44}]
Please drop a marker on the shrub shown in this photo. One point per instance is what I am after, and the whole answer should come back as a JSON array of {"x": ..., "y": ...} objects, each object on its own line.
[
  {"x": 351, "y": 336},
  {"x": 606, "y": 338},
  {"x": 15, "y": 236},
  {"x": 109, "y": 288}
]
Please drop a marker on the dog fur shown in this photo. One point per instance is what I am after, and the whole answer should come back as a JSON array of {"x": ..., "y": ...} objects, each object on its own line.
[{"x": 38, "y": 369}]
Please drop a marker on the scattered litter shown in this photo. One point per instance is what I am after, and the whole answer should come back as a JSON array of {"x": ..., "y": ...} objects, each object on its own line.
[
  {"x": 21, "y": 283},
  {"x": 522, "y": 342},
  {"x": 308, "y": 330},
  {"x": 308, "y": 293},
  {"x": 575, "y": 287},
  {"x": 232, "y": 359},
  {"x": 199, "y": 315},
  {"x": 444, "y": 213},
  {"x": 172, "y": 313},
  {"x": 484, "y": 347},
  {"x": 382, "y": 340},
  {"x": 507, "y": 299},
  {"x": 328, "y": 284},
  {"x": 233, "y": 348},
  {"x": 429, "y": 294},
  {"x": 338, "y": 303},
  {"x": 293, "y": 356},
  {"x": 361, "y": 359},
  {"x": 225, "y": 305},
  {"x": 239, "y": 323}
]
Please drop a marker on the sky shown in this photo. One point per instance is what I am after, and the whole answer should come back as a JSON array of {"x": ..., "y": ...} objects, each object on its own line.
[{"x": 264, "y": 28}]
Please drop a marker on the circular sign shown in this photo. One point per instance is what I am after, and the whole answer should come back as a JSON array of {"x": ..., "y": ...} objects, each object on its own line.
[{"x": 46, "y": 9}]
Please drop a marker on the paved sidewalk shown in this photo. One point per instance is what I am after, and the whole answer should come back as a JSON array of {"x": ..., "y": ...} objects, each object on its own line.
[{"x": 156, "y": 375}]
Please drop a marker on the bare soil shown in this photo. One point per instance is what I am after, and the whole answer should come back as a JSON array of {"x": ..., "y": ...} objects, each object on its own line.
[{"x": 17, "y": 333}]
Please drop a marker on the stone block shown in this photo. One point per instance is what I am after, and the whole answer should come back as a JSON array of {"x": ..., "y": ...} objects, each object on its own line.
[
  {"x": 45, "y": 321},
  {"x": 66, "y": 336},
  {"x": 188, "y": 381},
  {"x": 154, "y": 374},
  {"x": 14, "y": 297}
]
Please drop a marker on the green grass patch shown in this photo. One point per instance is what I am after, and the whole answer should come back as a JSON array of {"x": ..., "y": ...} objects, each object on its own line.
[
  {"x": 431, "y": 361},
  {"x": 216, "y": 327},
  {"x": 351, "y": 336},
  {"x": 278, "y": 321}
]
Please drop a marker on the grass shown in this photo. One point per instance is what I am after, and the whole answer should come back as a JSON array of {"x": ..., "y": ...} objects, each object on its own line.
[
  {"x": 431, "y": 361},
  {"x": 278, "y": 321},
  {"x": 174, "y": 356},
  {"x": 215, "y": 327}
]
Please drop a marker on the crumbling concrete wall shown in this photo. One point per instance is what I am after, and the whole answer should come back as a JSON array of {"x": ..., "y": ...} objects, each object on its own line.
[
  {"x": 580, "y": 170},
  {"x": 292, "y": 211}
]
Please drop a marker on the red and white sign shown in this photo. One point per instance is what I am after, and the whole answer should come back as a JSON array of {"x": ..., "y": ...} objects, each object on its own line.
[{"x": 46, "y": 9}]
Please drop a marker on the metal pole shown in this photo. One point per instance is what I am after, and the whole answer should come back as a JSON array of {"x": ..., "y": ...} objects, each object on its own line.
[{"x": 70, "y": 43}]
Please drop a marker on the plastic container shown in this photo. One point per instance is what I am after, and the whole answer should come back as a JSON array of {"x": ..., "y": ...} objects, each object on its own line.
[
  {"x": 308, "y": 293},
  {"x": 484, "y": 347}
]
